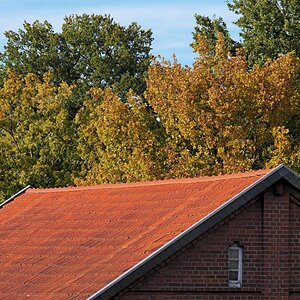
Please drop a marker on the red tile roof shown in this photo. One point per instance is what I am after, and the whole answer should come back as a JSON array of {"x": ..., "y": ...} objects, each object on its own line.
[{"x": 68, "y": 243}]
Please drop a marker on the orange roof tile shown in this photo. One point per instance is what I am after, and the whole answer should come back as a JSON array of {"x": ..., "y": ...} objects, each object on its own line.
[{"x": 67, "y": 243}]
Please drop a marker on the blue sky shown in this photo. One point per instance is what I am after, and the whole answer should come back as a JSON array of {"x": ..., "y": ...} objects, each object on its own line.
[{"x": 172, "y": 22}]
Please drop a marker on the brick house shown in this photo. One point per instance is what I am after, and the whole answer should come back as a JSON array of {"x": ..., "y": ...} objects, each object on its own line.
[{"x": 222, "y": 237}]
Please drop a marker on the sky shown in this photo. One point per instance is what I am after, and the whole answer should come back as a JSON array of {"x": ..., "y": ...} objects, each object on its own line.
[{"x": 172, "y": 22}]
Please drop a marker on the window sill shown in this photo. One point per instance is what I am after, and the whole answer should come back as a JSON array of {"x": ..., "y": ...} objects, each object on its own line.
[{"x": 235, "y": 284}]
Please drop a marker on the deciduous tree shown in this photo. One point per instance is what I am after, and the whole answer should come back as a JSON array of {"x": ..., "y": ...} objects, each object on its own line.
[
  {"x": 91, "y": 51},
  {"x": 37, "y": 141},
  {"x": 208, "y": 29},
  {"x": 269, "y": 27},
  {"x": 118, "y": 142},
  {"x": 219, "y": 116}
]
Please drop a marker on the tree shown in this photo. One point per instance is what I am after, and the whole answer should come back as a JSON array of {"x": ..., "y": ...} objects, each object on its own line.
[
  {"x": 33, "y": 50},
  {"x": 106, "y": 53},
  {"x": 38, "y": 144},
  {"x": 91, "y": 51},
  {"x": 207, "y": 29},
  {"x": 221, "y": 117},
  {"x": 269, "y": 27},
  {"x": 118, "y": 142}
]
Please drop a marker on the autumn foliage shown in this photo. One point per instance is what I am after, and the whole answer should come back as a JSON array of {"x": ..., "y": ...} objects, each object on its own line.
[
  {"x": 118, "y": 141},
  {"x": 221, "y": 117},
  {"x": 35, "y": 136},
  {"x": 217, "y": 116}
]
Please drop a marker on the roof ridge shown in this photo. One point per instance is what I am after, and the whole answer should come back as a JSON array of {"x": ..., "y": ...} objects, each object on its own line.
[{"x": 151, "y": 183}]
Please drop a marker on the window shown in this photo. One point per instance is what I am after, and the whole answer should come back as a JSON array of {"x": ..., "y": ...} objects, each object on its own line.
[{"x": 235, "y": 266}]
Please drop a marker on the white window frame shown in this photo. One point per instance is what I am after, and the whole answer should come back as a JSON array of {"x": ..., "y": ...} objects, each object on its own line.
[{"x": 235, "y": 283}]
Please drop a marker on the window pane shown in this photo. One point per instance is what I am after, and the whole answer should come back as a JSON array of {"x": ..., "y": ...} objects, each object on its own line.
[
  {"x": 234, "y": 275},
  {"x": 234, "y": 264},
  {"x": 233, "y": 253}
]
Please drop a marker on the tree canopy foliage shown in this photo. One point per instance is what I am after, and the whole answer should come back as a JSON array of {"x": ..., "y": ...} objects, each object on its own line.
[
  {"x": 37, "y": 141},
  {"x": 91, "y": 51},
  {"x": 118, "y": 141},
  {"x": 216, "y": 116},
  {"x": 269, "y": 27},
  {"x": 221, "y": 117},
  {"x": 208, "y": 29}
]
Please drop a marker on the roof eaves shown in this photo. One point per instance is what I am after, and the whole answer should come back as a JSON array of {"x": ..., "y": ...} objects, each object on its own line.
[
  {"x": 183, "y": 239},
  {"x": 15, "y": 196}
]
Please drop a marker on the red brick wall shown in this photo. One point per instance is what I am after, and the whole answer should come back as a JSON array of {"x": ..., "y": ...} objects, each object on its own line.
[
  {"x": 201, "y": 270},
  {"x": 276, "y": 246},
  {"x": 295, "y": 246}
]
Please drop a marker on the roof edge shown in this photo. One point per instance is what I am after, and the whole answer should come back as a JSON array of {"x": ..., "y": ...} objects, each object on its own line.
[
  {"x": 184, "y": 238},
  {"x": 15, "y": 196}
]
